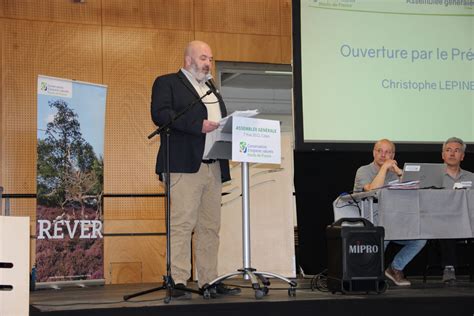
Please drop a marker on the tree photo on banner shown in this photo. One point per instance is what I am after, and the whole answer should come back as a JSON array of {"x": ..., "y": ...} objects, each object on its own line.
[{"x": 69, "y": 180}]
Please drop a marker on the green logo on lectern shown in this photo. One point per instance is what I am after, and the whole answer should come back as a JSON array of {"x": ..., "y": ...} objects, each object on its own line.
[{"x": 243, "y": 147}]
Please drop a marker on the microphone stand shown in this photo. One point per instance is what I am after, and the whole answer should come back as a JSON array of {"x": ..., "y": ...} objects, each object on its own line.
[{"x": 168, "y": 282}]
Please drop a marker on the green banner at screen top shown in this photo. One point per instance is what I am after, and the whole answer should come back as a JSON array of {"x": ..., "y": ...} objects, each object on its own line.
[{"x": 434, "y": 7}]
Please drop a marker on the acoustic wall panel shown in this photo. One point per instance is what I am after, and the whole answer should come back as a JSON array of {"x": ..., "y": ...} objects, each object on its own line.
[
  {"x": 31, "y": 48},
  {"x": 243, "y": 47},
  {"x": 132, "y": 60},
  {"x": 149, "y": 257},
  {"x": 157, "y": 14},
  {"x": 260, "y": 17},
  {"x": 88, "y": 12},
  {"x": 285, "y": 18}
]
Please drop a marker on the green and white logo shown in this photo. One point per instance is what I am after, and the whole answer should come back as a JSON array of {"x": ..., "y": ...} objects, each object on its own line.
[
  {"x": 243, "y": 147},
  {"x": 44, "y": 86}
]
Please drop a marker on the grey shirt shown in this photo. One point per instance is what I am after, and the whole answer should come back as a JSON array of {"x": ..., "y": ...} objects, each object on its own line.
[
  {"x": 366, "y": 175},
  {"x": 464, "y": 175}
]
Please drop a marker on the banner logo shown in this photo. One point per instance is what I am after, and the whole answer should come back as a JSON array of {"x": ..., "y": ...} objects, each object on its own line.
[
  {"x": 55, "y": 87},
  {"x": 44, "y": 86}
]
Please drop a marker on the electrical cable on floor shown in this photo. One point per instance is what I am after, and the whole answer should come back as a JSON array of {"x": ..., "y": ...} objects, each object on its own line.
[
  {"x": 269, "y": 287},
  {"x": 319, "y": 281},
  {"x": 101, "y": 303}
]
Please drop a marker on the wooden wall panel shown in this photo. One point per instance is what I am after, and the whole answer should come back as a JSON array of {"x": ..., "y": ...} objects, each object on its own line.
[
  {"x": 148, "y": 250},
  {"x": 31, "y": 48},
  {"x": 286, "y": 50},
  {"x": 285, "y": 18},
  {"x": 243, "y": 16},
  {"x": 23, "y": 207},
  {"x": 159, "y": 14},
  {"x": 134, "y": 208},
  {"x": 1, "y": 101},
  {"x": 135, "y": 226},
  {"x": 132, "y": 60},
  {"x": 126, "y": 272},
  {"x": 243, "y": 47},
  {"x": 53, "y": 10},
  {"x": 286, "y": 32}
]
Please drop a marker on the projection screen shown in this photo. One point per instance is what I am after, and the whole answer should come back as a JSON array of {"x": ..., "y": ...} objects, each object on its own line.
[{"x": 397, "y": 69}]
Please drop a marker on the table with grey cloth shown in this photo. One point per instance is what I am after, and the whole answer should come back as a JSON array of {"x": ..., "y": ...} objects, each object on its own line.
[{"x": 426, "y": 214}]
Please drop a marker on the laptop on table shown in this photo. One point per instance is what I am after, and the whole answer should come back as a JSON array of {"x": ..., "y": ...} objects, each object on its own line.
[{"x": 429, "y": 175}]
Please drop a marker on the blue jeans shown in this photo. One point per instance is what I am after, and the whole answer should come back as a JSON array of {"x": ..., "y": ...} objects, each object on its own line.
[{"x": 410, "y": 249}]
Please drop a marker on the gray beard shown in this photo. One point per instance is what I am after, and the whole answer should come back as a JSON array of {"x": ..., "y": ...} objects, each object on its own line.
[{"x": 198, "y": 75}]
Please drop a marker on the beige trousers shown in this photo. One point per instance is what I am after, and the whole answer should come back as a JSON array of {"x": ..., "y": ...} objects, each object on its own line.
[{"x": 195, "y": 206}]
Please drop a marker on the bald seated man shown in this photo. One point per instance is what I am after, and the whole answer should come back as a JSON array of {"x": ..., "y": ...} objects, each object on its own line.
[
  {"x": 196, "y": 182},
  {"x": 382, "y": 171}
]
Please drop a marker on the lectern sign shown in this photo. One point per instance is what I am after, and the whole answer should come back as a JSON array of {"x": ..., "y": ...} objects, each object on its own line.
[{"x": 256, "y": 140}]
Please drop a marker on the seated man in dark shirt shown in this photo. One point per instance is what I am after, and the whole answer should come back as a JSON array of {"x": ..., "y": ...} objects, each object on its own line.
[{"x": 384, "y": 170}]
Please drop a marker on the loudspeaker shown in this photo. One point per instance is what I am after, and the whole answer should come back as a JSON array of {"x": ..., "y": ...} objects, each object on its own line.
[{"x": 355, "y": 256}]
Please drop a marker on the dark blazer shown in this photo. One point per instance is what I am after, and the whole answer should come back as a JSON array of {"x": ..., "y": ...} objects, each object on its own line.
[{"x": 172, "y": 93}]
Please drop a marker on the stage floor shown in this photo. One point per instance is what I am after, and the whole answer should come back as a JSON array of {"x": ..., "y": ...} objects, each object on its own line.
[{"x": 432, "y": 297}]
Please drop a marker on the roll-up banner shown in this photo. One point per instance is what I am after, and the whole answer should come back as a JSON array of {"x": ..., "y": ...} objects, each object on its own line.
[{"x": 71, "y": 118}]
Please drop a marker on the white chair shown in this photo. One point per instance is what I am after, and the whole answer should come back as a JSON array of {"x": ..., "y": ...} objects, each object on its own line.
[{"x": 356, "y": 205}]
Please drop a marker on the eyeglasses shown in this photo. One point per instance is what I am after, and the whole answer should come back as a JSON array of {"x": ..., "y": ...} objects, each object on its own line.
[
  {"x": 380, "y": 151},
  {"x": 456, "y": 150}
]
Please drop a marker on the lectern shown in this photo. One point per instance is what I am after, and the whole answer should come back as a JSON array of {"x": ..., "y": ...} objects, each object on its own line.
[{"x": 248, "y": 140}]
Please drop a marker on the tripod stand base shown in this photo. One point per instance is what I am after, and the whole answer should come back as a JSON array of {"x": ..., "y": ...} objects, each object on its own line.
[
  {"x": 258, "y": 279},
  {"x": 168, "y": 285}
]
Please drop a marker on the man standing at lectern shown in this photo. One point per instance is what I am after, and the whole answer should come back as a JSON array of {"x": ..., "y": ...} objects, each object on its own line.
[
  {"x": 384, "y": 170},
  {"x": 452, "y": 154},
  {"x": 196, "y": 183}
]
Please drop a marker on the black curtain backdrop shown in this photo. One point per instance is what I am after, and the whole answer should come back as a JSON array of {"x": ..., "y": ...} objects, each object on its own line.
[{"x": 319, "y": 178}]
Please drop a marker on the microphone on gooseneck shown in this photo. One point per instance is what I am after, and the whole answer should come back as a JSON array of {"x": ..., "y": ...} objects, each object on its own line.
[{"x": 210, "y": 84}]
